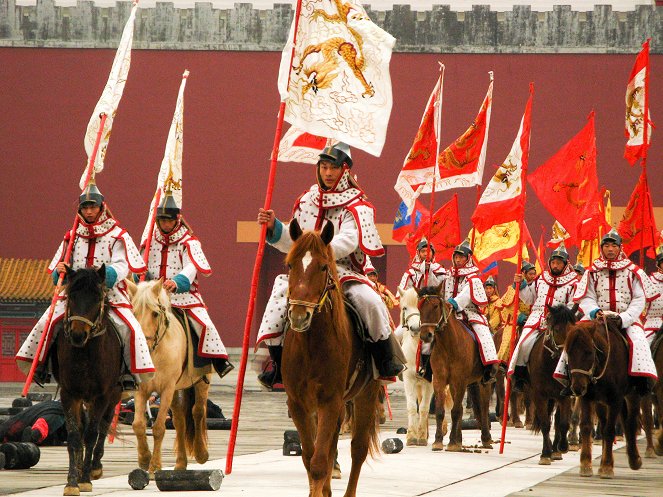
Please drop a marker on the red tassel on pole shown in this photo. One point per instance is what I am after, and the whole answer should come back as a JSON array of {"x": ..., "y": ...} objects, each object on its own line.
[
  {"x": 70, "y": 247},
  {"x": 256, "y": 267}
]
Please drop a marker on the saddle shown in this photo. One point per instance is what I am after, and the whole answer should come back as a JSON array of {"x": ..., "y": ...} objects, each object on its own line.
[{"x": 195, "y": 365}]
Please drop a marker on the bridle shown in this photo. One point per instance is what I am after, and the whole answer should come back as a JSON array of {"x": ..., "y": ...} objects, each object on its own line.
[
  {"x": 590, "y": 372},
  {"x": 163, "y": 323},
  {"x": 322, "y": 300},
  {"x": 405, "y": 319},
  {"x": 95, "y": 328},
  {"x": 444, "y": 315}
]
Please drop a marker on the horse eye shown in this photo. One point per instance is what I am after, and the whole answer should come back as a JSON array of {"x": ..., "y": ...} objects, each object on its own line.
[
  {"x": 289, "y": 266},
  {"x": 155, "y": 314},
  {"x": 323, "y": 267}
]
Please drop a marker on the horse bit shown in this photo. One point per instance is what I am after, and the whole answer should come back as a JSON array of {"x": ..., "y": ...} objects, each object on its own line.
[
  {"x": 444, "y": 317},
  {"x": 324, "y": 297},
  {"x": 590, "y": 371},
  {"x": 405, "y": 319}
]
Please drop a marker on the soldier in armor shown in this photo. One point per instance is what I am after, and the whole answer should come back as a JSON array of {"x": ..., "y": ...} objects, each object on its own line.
[
  {"x": 528, "y": 270},
  {"x": 421, "y": 263},
  {"x": 615, "y": 286},
  {"x": 389, "y": 299},
  {"x": 553, "y": 287},
  {"x": 176, "y": 255},
  {"x": 98, "y": 240},
  {"x": 494, "y": 307},
  {"x": 579, "y": 269},
  {"x": 654, "y": 312},
  {"x": 335, "y": 198},
  {"x": 464, "y": 290}
]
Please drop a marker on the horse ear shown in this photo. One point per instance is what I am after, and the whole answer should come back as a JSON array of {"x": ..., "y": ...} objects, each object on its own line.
[
  {"x": 574, "y": 310},
  {"x": 295, "y": 230},
  {"x": 438, "y": 290},
  {"x": 68, "y": 271},
  {"x": 102, "y": 272},
  {"x": 400, "y": 291},
  {"x": 132, "y": 288},
  {"x": 158, "y": 286},
  {"x": 327, "y": 233}
]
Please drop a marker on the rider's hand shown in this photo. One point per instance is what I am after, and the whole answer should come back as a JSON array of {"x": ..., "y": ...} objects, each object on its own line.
[
  {"x": 170, "y": 285},
  {"x": 60, "y": 268},
  {"x": 266, "y": 217},
  {"x": 517, "y": 278}
]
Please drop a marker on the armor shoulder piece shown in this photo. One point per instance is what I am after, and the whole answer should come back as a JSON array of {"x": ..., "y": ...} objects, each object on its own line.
[
  {"x": 477, "y": 291},
  {"x": 134, "y": 259},
  {"x": 651, "y": 292},
  {"x": 59, "y": 253},
  {"x": 195, "y": 250},
  {"x": 369, "y": 238}
]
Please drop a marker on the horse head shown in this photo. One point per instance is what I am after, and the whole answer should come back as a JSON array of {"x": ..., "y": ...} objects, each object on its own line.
[
  {"x": 410, "y": 315},
  {"x": 85, "y": 305},
  {"x": 582, "y": 359},
  {"x": 434, "y": 311},
  {"x": 151, "y": 306},
  {"x": 558, "y": 320},
  {"x": 312, "y": 274}
]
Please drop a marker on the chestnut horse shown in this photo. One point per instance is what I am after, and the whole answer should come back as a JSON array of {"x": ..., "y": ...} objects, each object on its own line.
[
  {"x": 544, "y": 389},
  {"x": 325, "y": 363},
  {"x": 176, "y": 381},
  {"x": 455, "y": 362},
  {"x": 598, "y": 358},
  {"x": 87, "y": 363}
]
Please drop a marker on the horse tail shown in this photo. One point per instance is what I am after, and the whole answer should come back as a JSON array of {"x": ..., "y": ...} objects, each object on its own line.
[
  {"x": 188, "y": 399},
  {"x": 536, "y": 425},
  {"x": 373, "y": 435}
]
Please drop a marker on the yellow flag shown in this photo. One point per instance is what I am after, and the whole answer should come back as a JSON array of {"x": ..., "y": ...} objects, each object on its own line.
[{"x": 499, "y": 242}]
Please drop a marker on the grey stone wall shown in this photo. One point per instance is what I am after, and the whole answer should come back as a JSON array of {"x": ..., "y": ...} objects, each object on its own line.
[{"x": 203, "y": 27}]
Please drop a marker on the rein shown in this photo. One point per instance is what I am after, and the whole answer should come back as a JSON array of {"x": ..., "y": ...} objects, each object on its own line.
[
  {"x": 405, "y": 320},
  {"x": 590, "y": 372},
  {"x": 95, "y": 326},
  {"x": 163, "y": 323},
  {"x": 444, "y": 315}
]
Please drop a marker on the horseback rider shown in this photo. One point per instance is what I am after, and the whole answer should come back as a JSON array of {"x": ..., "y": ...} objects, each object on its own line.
[
  {"x": 654, "y": 311},
  {"x": 335, "y": 198},
  {"x": 176, "y": 255},
  {"x": 98, "y": 240},
  {"x": 553, "y": 287},
  {"x": 389, "y": 299},
  {"x": 614, "y": 286},
  {"x": 464, "y": 290},
  {"x": 494, "y": 308},
  {"x": 423, "y": 261},
  {"x": 528, "y": 270}
]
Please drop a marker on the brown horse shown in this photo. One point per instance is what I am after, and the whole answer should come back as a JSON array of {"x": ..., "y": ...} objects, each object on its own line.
[
  {"x": 175, "y": 381},
  {"x": 87, "y": 362},
  {"x": 544, "y": 389},
  {"x": 598, "y": 358},
  {"x": 325, "y": 363},
  {"x": 455, "y": 362}
]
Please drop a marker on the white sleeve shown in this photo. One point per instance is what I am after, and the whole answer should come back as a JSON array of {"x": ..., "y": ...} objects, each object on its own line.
[
  {"x": 588, "y": 302},
  {"x": 637, "y": 305},
  {"x": 346, "y": 240},
  {"x": 405, "y": 281},
  {"x": 119, "y": 261},
  {"x": 464, "y": 298},
  {"x": 189, "y": 270},
  {"x": 528, "y": 294}
]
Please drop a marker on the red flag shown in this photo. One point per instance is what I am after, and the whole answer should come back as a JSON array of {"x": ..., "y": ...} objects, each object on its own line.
[
  {"x": 568, "y": 187},
  {"x": 638, "y": 226},
  {"x": 637, "y": 108},
  {"x": 461, "y": 163},
  {"x": 406, "y": 224},
  {"x": 418, "y": 171},
  {"x": 444, "y": 232},
  {"x": 503, "y": 200}
]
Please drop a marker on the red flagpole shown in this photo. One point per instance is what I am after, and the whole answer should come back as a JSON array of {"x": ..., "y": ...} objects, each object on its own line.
[
  {"x": 256, "y": 267},
  {"x": 645, "y": 130},
  {"x": 516, "y": 300},
  {"x": 70, "y": 246},
  {"x": 148, "y": 240},
  {"x": 475, "y": 206}
]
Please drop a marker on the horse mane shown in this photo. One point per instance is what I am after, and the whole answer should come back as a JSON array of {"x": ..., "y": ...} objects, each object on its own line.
[
  {"x": 85, "y": 280},
  {"x": 561, "y": 315},
  {"x": 409, "y": 297},
  {"x": 582, "y": 332},
  {"x": 428, "y": 290},
  {"x": 144, "y": 298}
]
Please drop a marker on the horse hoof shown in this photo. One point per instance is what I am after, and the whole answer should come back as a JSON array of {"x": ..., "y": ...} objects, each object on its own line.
[
  {"x": 545, "y": 461},
  {"x": 437, "y": 446},
  {"x": 336, "y": 474},
  {"x": 411, "y": 441},
  {"x": 454, "y": 448},
  {"x": 71, "y": 491},
  {"x": 486, "y": 445},
  {"x": 422, "y": 442},
  {"x": 85, "y": 487},
  {"x": 658, "y": 448},
  {"x": 606, "y": 473},
  {"x": 202, "y": 458},
  {"x": 650, "y": 453},
  {"x": 518, "y": 424},
  {"x": 95, "y": 474},
  {"x": 556, "y": 456},
  {"x": 636, "y": 464},
  {"x": 574, "y": 448},
  {"x": 586, "y": 471},
  {"x": 619, "y": 438}
]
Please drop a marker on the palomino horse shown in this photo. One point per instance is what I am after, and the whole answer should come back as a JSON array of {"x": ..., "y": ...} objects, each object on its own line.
[
  {"x": 545, "y": 390},
  {"x": 325, "y": 363},
  {"x": 598, "y": 358},
  {"x": 175, "y": 381},
  {"x": 87, "y": 365},
  {"x": 456, "y": 362}
]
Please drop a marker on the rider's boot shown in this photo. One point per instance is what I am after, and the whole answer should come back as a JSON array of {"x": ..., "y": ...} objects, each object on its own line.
[
  {"x": 520, "y": 378},
  {"x": 388, "y": 366},
  {"x": 222, "y": 366},
  {"x": 41, "y": 375},
  {"x": 489, "y": 373},
  {"x": 643, "y": 384},
  {"x": 270, "y": 378},
  {"x": 425, "y": 370}
]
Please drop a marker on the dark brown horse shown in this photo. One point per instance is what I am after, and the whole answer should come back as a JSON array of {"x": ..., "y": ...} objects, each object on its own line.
[
  {"x": 86, "y": 365},
  {"x": 325, "y": 363},
  {"x": 598, "y": 358},
  {"x": 455, "y": 362},
  {"x": 544, "y": 389},
  {"x": 658, "y": 392}
]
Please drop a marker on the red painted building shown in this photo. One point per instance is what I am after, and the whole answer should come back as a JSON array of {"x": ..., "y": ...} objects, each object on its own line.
[{"x": 231, "y": 103}]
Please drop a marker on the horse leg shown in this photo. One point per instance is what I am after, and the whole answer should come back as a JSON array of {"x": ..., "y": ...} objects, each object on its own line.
[
  {"x": 456, "y": 437},
  {"x": 330, "y": 416},
  {"x": 631, "y": 422},
  {"x": 199, "y": 412},
  {"x": 529, "y": 408},
  {"x": 159, "y": 429},
  {"x": 608, "y": 416},
  {"x": 105, "y": 421},
  {"x": 562, "y": 415},
  {"x": 139, "y": 427},
  {"x": 72, "y": 415},
  {"x": 574, "y": 441},
  {"x": 542, "y": 422},
  {"x": 514, "y": 410},
  {"x": 440, "y": 393},
  {"x": 658, "y": 396},
  {"x": 91, "y": 436},
  {"x": 586, "y": 422},
  {"x": 179, "y": 421},
  {"x": 306, "y": 428},
  {"x": 424, "y": 409},
  {"x": 411, "y": 403},
  {"x": 480, "y": 397},
  {"x": 499, "y": 395},
  {"x": 648, "y": 425},
  {"x": 365, "y": 435}
]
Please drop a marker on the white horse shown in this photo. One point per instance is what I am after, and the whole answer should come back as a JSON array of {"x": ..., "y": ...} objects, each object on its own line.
[{"x": 417, "y": 390}]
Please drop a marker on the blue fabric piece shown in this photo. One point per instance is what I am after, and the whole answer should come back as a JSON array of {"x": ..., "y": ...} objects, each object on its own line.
[
  {"x": 453, "y": 303},
  {"x": 523, "y": 284},
  {"x": 592, "y": 314},
  {"x": 56, "y": 276},
  {"x": 111, "y": 276},
  {"x": 182, "y": 282},
  {"x": 276, "y": 232},
  {"x": 522, "y": 319}
]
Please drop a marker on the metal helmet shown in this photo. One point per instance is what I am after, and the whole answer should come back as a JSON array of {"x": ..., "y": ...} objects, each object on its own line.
[
  {"x": 526, "y": 266},
  {"x": 337, "y": 154},
  {"x": 579, "y": 268},
  {"x": 463, "y": 249},
  {"x": 490, "y": 281},
  {"x": 561, "y": 253},
  {"x": 91, "y": 195},
  {"x": 168, "y": 208},
  {"x": 423, "y": 244},
  {"x": 612, "y": 236}
]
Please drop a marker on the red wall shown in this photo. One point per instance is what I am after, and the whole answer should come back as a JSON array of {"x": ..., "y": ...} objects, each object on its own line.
[{"x": 230, "y": 112}]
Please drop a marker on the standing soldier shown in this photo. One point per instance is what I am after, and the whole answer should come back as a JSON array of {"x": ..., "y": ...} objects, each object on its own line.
[
  {"x": 98, "y": 240},
  {"x": 654, "y": 312},
  {"x": 422, "y": 263},
  {"x": 615, "y": 285},
  {"x": 335, "y": 198},
  {"x": 552, "y": 287},
  {"x": 177, "y": 256},
  {"x": 464, "y": 291},
  {"x": 495, "y": 307}
]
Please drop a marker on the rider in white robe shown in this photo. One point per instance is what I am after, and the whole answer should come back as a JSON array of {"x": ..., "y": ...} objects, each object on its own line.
[{"x": 654, "y": 312}]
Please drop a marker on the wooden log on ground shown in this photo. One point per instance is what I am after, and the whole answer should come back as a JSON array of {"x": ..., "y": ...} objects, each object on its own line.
[
  {"x": 188, "y": 480},
  {"x": 139, "y": 479}
]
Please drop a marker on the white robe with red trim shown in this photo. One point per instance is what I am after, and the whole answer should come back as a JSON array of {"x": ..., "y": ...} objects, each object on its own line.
[
  {"x": 464, "y": 285},
  {"x": 102, "y": 242},
  {"x": 180, "y": 253},
  {"x": 654, "y": 313},
  {"x": 619, "y": 286},
  {"x": 355, "y": 238},
  {"x": 414, "y": 276},
  {"x": 546, "y": 290}
]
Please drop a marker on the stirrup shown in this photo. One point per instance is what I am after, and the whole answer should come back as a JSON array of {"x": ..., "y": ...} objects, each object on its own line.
[
  {"x": 222, "y": 367},
  {"x": 566, "y": 391},
  {"x": 128, "y": 383}
]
